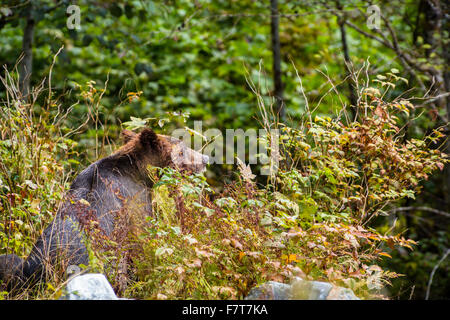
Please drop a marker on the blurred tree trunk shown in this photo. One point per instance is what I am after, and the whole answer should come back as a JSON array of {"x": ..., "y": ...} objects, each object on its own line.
[
  {"x": 435, "y": 26},
  {"x": 353, "y": 98},
  {"x": 445, "y": 27},
  {"x": 276, "y": 51},
  {"x": 26, "y": 64}
]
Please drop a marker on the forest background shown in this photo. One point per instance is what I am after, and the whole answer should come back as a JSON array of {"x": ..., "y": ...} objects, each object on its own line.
[{"x": 195, "y": 58}]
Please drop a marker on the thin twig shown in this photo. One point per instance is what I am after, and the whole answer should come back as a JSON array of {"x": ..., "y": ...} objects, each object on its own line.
[
  {"x": 440, "y": 212},
  {"x": 433, "y": 271}
]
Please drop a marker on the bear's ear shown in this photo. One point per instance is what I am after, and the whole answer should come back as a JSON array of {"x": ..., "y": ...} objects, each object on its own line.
[
  {"x": 127, "y": 135},
  {"x": 149, "y": 139}
]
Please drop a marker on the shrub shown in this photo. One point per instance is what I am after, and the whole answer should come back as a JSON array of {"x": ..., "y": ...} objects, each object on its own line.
[
  {"x": 311, "y": 221},
  {"x": 311, "y": 218},
  {"x": 36, "y": 161}
]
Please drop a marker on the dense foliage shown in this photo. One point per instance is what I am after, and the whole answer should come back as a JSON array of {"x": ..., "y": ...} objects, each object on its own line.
[
  {"x": 350, "y": 174},
  {"x": 310, "y": 220}
]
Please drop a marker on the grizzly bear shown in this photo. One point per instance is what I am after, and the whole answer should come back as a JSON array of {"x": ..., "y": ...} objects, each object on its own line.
[{"x": 98, "y": 193}]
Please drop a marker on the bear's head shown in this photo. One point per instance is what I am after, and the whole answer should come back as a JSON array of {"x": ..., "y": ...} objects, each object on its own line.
[{"x": 149, "y": 148}]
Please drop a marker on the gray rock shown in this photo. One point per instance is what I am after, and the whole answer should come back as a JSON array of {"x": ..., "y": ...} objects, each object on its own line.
[
  {"x": 310, "y": 290},
  {"x": 92, "y": 286},
  {"x": 339, "y": 293},
  {"x": 271, "y": 290},
  {"x": 300, "y": 289}
]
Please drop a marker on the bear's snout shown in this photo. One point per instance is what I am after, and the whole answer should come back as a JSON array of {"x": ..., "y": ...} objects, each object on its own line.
[{"x": 205, "y": 159}]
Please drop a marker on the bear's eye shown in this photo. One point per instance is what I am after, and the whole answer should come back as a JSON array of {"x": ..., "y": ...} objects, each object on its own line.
[{"x": 181, "y": 153}]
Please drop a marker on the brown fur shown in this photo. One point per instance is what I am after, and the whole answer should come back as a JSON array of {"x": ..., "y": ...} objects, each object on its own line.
[
  {"x": 109, "y": 185},
  {"x": 149, "y": 148},
  {"x": 145, "y": 148}
]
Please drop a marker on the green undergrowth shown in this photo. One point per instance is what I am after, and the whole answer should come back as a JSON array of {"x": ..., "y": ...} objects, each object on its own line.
[{"x": 311, "y": 218}]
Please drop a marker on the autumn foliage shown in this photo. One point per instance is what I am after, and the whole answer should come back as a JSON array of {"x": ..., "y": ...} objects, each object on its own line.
[{"x": 311, "y": 218}]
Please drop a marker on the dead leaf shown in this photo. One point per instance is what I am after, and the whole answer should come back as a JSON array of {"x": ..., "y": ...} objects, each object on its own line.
[
  {"x": 236, "y": 244},
  {"x": 246, "y": 171}
]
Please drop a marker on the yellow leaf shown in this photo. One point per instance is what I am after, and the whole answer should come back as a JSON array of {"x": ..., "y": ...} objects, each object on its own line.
[
  {"x": 241, "y": 255},
  {"x": 85, "y": 202},
  {"x": 385, "y": 254}
]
